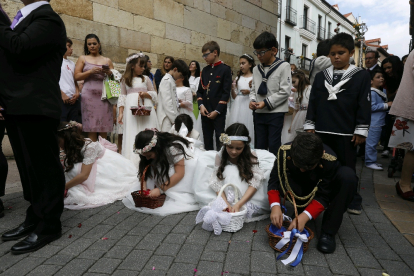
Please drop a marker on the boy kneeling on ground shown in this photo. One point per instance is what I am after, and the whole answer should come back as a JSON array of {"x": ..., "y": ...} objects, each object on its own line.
[{"x": 311, "y": 171}]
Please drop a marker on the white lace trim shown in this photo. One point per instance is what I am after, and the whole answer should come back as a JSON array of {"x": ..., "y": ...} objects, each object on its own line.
[
  {"x": 121, "y": 100},
  {"x": 91, "y": 151}
]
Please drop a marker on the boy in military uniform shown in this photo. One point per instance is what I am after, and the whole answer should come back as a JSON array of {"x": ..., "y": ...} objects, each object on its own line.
[
  {"x": 213, "y": 94},
  {"x": 311, "y": 171}
]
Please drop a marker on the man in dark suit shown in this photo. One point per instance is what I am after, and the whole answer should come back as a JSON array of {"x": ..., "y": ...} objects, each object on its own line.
[{"x": 31, "y": 51}]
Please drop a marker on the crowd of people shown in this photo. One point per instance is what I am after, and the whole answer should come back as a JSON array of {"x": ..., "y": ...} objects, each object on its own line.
[{"x": 185, "y": 132}]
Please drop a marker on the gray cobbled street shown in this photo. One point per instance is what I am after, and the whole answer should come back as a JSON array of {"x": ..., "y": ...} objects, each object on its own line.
[{"x": 113, "y": 240}]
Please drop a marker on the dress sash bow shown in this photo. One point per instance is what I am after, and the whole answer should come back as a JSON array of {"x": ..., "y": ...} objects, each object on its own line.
[
  {"x": 89, "y": 184},
  {"x": 213, "y": 216}
]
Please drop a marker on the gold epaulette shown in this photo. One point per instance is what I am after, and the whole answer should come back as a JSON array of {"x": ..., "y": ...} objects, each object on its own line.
[
  {"x": 328, "y": 157},
  {"x": 285, "y": 147}
]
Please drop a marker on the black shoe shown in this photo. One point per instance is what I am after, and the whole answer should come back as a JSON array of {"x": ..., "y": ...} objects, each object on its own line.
[
  {"x": 326, "y": 243},
  {"x": 33, "y": 243},
  {"x": 1, "y": 209},
  {"x": 17, "y": 233}
]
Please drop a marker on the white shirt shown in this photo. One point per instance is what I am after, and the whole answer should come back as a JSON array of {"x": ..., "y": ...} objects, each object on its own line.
[
  {"x": 67, "y": 81},
  {"x": 26, "y": 10},
  {"x": 373, "y": 67}
]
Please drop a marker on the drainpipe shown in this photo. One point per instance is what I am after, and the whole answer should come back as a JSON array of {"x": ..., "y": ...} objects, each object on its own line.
[{"x": 280, "y": 27}]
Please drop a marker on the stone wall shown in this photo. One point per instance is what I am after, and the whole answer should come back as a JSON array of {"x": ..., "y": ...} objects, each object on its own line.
[{"x": 164, "y": 27}]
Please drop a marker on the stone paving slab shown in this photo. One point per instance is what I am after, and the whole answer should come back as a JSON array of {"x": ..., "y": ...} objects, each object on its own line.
[{"x": 113, "y": 240}]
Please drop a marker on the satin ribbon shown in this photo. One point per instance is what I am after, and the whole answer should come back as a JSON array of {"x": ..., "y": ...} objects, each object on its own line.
[
  {"x": 213, "y": 216},
  {"x": 297, "y": 251},
  {"x": 333, "y": 90}
]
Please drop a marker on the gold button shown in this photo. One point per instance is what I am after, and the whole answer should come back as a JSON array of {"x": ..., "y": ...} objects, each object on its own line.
[
  {"x": 208, "y": 98},
  {"x": 211, "y": 74},
  {"x": 288, "y": 158},
  {"x": 321, "y": 166}
]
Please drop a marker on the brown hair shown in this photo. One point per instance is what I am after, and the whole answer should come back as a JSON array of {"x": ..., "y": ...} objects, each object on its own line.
[
  {"x": 129, "y": 71},
  {"x": 211, "y": 46},
  {"x": 303, "y": 83},
  {"x": 163, "y": 71}
]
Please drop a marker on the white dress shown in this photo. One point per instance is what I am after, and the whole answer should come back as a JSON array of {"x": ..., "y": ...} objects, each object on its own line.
[
  {"x": 111, "y": 178},
  {"x": 239, "y": 110},
  {"x": 186, "y": 96},
  {"x": 135, "y": 124},
  {"x": 206, "y": 184},
  {"x": 301, "y": 110},
  {"x": 180, "y": 198},
  {"x": 194, "y": 83},
  {"x": 288, "y": 119}
]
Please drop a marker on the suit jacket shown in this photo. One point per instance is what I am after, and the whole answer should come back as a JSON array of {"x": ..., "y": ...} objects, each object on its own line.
[
  {"x": 167, "y": 109},
  {"x": 303, "y": 183},
  {"x": 215, "y": 86},
  {"x": 30, "y": 61}
]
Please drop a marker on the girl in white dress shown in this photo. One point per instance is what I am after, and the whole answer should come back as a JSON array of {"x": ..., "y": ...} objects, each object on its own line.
[
  {"x": 239, "y": 111},
  {"x": 303, "y": 88},
  {"x": 185, "y": 97},
  {"x": 235, "y": 163},
  {"x": 95, "y": 174},
  {"x": 135, "y": 86},
  {"x": 171, "y": 172}
]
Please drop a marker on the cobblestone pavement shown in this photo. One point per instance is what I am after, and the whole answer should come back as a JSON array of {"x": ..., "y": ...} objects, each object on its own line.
[{"x": 117, "y": 241}]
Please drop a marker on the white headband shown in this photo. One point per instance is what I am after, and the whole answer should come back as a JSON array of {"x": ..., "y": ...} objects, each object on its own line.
[
  {"x": 226, "y": 140},
  {"x": 139, "y": 55}
]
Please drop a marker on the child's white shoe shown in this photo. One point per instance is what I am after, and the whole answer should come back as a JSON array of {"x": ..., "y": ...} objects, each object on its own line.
[{"x": 374, "y": 167}]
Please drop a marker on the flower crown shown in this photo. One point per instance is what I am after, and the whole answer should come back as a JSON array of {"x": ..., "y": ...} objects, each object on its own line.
[
  {"x": 70, "y": 125},
  {"x": 151, "y": 144},
  {"x": 134, "y": 56},
  {"x": 226, "y": 139}
]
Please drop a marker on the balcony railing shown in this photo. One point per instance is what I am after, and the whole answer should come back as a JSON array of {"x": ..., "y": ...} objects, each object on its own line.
[
  {"x": 279, "y": 8},
  {"x": 304, "y": 64},
  {"x": 308, "y": 24},
  {"x": 330, "y": 35},
  {"x": 321, "y": 33},
  {"x": 291, "y": 15}
]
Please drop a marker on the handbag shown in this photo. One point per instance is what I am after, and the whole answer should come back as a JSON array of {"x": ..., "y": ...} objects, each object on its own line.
[
  {"x": 111, "y": 89},
  {"x": 141, "y": 110}
]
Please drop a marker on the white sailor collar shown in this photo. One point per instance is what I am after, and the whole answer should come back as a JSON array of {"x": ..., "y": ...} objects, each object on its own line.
[
  {"x": 329, "y": 72},
  {"x": 380, "y": 93}
]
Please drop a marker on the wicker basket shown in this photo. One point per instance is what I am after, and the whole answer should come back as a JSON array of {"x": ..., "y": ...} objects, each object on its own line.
[
  {"x": 141, "y": 110},
  {"x": 237, "y": 219},
  {"x": 142, "y": 200},
  {"x": 274, "y": 239}
]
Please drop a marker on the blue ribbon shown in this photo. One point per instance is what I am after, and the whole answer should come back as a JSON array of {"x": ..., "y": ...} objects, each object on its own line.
[{"x": 279, "y": 232}]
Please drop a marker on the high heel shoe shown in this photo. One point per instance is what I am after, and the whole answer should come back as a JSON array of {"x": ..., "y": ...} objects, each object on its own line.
[{"x": 407, "y": 195}]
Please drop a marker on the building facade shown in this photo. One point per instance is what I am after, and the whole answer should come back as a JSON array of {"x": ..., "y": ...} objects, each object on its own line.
[
  {"x": 302, "y": 24},
  {"x": 178, "y": 28}
]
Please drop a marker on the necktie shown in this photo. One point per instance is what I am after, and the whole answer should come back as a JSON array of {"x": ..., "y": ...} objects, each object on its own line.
[
  {"x": 16, "y": 19},
  {"x": 3, "y": 12}
]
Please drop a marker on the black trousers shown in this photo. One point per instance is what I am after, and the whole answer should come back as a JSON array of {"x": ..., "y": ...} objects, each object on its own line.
[
  {"x": 213, "y": 126},
  {"x": 71, "y": 112},
  {"x": 345, "y": 183},
  {"x": 386, "y": 131},
  {"x": 35, "y": 146},
  {"x": 268, "y": 131},
  {"x": 3, "y": 161},
  {"x": 347, "y": 156}
]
